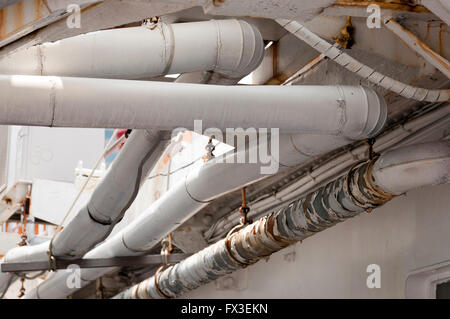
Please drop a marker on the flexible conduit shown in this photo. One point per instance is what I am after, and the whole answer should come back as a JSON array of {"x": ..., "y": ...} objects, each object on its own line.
[{"x": 337, "y": 55}]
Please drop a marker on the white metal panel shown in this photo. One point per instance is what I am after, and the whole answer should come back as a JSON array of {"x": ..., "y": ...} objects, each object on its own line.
[
  {"x": 51, "y": 200},
  {"x": 53, "y": 153}
]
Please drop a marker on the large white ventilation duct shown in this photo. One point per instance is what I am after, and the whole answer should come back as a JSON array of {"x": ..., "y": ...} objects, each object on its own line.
[
  {"x": 52, "y": 101},
  {"x": 230, "y": 47}
]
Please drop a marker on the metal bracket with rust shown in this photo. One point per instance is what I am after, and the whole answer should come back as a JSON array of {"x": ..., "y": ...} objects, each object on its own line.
[
  {"x": 346, "y": 39},
  {"x": 93, "y": 262}
]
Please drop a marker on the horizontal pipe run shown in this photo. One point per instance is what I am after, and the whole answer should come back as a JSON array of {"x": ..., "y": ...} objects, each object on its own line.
[
  {"x": 441, "y": 8},
  {"x": 230, "y": 47},
  {"x": 349, "y": 111},
  {"x": 343, "y": 198}
]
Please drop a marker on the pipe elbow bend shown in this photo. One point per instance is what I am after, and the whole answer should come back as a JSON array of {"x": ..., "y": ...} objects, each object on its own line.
[
  {"x": 366, "y": 112},
  {"x": 236, "y": 59}
]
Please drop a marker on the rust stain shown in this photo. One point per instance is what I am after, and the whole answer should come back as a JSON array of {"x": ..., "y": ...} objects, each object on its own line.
[
  {"x": 416, "y": 41},
  {"x": 2, "y": 23},
  {"x": 435, "y": 56},
  {"x": 397, "y": 6},
  {"x": 16, "y": 13},
  {"x": 428, "y": 32},
  {"x": 275, "y": 57},
  {"x": 18, "y": 16},
  {"x": 7, "y": 200}
]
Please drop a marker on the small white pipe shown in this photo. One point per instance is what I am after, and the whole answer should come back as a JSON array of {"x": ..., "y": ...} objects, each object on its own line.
[
  {"x": 298, "y": 148},
  {"x": 230, "y": 47},
  {"x": 162, "y": 217},
  {"x": 234, "y": 49},
  {"x": 439, "y": 62},
  {"x": 349, "y": 111}
]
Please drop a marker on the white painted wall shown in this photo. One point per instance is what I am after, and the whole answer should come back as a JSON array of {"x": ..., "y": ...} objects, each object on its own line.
[{"x": 410, "y": 232}]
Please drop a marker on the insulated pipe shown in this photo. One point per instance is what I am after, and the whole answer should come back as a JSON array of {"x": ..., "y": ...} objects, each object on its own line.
[
  {"x": 412, "y": 132},
  {"x": 230, "y": 47},
  {"x": 350, "y": 111},
  {"x": 297, "y": 148},
  {"x": 165, "y": 215},
  {"x": 188, "y": 197},
  {"x": 343, "y": 198},
  {"x": 340, "y": 57},
  {"x": 106, "y": 206}
]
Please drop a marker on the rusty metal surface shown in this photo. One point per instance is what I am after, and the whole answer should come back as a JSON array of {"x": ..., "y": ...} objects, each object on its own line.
[
  {"x": 397, "y": 5},
  {"x": 20, "y": 15},
  {"x": 413, "y": 42},
  {"x": 338, "y": 200}
]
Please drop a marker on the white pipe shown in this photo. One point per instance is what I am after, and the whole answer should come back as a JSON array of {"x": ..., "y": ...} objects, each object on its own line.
[
  {"x": 439, "y": 62},
  {"x": 175, "y": 207},
  {"x": 345, "y": 197},
  {"x": 184, "y": 200},
  {"x": 230, "y": 47},
  {"x": 413, "y": 167},
  {"x": 337, "y": 55},
  {"x": 157, "y": 221},
  {"x": 51, "y": 101}
]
